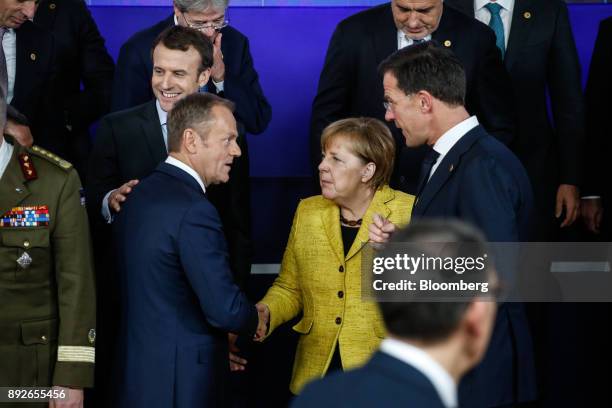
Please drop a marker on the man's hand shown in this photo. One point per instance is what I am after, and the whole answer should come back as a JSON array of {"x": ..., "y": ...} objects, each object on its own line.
[
  {"x": 118, "y": 196},
  {"x": 381, "y": 229},
  {"x": 74, "y": 398},
  {"x": 236, "y": 362},
  {"x": 591, "y": 210},
  {"x": 568, "y": 197},
  {"x": 217, "y": 71},
  {"x": 21, "y": 133},
  {"x": 264, "y": 319}
]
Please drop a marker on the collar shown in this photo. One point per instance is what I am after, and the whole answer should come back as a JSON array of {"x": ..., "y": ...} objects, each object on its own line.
[
  {"x": 506, "y": 4},
  {"x": 162, "y": 114},
  {"x": 430, "y": 368},
  {"x": 402, "y": 38},
  {"x": 177, "y": 163},
  {"x": 452, "y": 136},
  {"x": 175, "y": 20}
]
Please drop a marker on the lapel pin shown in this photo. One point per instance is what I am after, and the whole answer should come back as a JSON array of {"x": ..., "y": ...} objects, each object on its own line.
[
  {"x": 451, "y": 167},
  {"x": 527, "y": 15},
  {"x": 447, "y": 43},
  {"x": 33, "y": 56}
]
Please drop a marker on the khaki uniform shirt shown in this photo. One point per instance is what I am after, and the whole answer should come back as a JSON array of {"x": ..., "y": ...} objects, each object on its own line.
[{"x": 47, "y": 293}]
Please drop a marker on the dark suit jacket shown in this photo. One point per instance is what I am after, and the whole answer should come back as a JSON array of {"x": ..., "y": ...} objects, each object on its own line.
[
  {"x": 129, "y": 145},
  {"x": 350, "y": 85},
  {"x": 35, "y": 73},
  {"x": 383, "y": 382},
  {"x": 541, "y": 58},
  {"x": 481, "y": 181},
  {"x": 599, "y": 147},
  {"x": 179, "y": 299},
  {"x": 132, "y": 84},
  {"x": 81, "y": 58}
]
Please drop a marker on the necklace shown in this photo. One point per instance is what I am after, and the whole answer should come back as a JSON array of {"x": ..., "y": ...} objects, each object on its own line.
[{"x": 350, "y": 223}]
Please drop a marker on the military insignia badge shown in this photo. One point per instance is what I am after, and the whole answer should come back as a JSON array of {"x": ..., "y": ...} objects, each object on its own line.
[
  {"x": 24, "y": 260},
  {"x": 26, "y": 216},
  {"x": 27, "y": 167},
  {"x": 91, "y": 336}
]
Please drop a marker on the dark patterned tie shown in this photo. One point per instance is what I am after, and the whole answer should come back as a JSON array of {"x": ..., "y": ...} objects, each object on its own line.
[
  {"x": 3, "y": 82},
  {"x": 426, "y": 166}
]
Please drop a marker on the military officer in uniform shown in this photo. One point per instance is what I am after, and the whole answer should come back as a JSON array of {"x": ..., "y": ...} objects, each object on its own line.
[{"x": 47, "y": 293}]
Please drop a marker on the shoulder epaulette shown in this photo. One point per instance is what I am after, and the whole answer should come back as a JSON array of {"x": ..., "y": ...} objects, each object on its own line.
[{"x": 51, "y": 157}]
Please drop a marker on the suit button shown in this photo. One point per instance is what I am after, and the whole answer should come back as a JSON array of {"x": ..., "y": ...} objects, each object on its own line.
[
  {"x": 340, "y": 294},
  {"x": 402, "y": 179},
  {"x": 52, "y": 6},
  {"x": 43, "y": 338},
  {"x": 338, "y": 320},
  {"x": 33, "y": 57},
  {"x": 341, "y": 268},
  {"x": 26, "y": 244}
]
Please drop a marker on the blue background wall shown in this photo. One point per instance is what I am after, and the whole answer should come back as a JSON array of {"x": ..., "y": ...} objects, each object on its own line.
[{"x": 288, "y": 45}]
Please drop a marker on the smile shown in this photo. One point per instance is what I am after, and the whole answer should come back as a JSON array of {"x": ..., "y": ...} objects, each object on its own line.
[{"x": 169, "y": 95}]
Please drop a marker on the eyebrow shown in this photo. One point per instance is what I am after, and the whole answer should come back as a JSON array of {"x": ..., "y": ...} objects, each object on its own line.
[{"x": 418, "y": 10}]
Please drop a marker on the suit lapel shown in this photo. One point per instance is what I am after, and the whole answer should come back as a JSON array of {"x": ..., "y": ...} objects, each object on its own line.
[
  {"x": 464, "y": 6},
  {"x": 445, "y": 33},
  {"x": 519, "y": 30},
  {"x": 377, "y": 206},
  {"x": 330, "y": 216},
  {"x": 445, "y": 170},
  {"x": 13, "y": 187},
  {"x": 153, "y": 133},
  {"x": 46, "y": 13},
  {"x": 384, "y": 34}
]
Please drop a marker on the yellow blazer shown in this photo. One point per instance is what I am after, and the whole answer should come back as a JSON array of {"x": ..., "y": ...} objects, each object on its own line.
[{"x": 318, "y": 280}]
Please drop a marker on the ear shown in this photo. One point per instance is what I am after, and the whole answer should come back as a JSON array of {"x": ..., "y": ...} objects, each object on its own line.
[
  {"x": 189, "y": 141},
  {"x": 425, "y": 101},
  {"x": 203, "y": 77},
  {"x": 368, "y": 172},
  {"x": 176, "y": 11}
]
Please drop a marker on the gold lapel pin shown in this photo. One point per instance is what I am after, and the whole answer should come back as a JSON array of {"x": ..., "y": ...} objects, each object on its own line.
[
  {"x": 447, "y": 43},
  {"x": 527, "y": 15}
]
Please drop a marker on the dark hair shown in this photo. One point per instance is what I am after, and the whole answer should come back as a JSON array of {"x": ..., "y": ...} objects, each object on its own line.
[
  {"x": 428, "y": 67},
  {"x": 181, "y": 38},
  {"x": 368, "y": 138},
  {"x": 192, "y": 111},
  {"x": 426, "y": 320}
]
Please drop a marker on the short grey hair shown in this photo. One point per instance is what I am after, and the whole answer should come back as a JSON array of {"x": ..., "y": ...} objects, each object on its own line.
[{"x": 201, "y": 5}]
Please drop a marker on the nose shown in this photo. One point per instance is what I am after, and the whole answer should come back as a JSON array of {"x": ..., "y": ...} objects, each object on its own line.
[
  {"x": 167, "y": 81},
  {"x": 29, "y": 9},
  {"x": 389, "y": 116},
  {"x": 235, "y": 152},
  {"x": 323, "y": 165},
  {"x": 413, "y": 20}
]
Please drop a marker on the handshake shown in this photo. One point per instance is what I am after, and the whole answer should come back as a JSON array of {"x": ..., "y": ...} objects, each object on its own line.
[{"x": 236, "y": 362}]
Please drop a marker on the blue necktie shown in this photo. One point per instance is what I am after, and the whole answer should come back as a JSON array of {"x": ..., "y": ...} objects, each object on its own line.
[
  {"x": 497, "y": 25},
  {"x": 426, "y": 165}
]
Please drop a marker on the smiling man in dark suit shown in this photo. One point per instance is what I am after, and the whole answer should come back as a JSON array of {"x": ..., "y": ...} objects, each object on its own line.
[
  {"x": 350, "y": 86},
  {"x": 469, "y": 175}
]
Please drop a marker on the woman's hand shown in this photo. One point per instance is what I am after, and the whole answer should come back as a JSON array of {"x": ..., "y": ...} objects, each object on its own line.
[
  {"x": 381, "y": 229},
  {"x": 264, "y": 319}
]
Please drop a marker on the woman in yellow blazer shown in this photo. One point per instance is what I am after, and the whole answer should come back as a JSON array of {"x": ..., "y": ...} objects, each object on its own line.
[{"x": 320, "y": 274}]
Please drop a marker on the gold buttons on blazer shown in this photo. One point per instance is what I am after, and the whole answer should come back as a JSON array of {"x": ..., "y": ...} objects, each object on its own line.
[
  {"x": 33, "y": 56},
  {"x": 527, "y": 15},
  {"x": 52, "y": 6},
  {"x": 447, "y": 43}
]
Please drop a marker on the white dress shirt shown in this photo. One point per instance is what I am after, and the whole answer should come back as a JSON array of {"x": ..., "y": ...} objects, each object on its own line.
[
  {"x": 218, "y": 85},
  {"x": 450, "y": 138},
  {"x": 175, "y": 162},
  {"x": 430, "y": 368},
  {"x": 163, "y": 116},
  {"x": 9, "y": 44},
  {"x": 483, "y": 15},
  {"x": 404, "y": 41},
  {"x": 6, "y": 151}
]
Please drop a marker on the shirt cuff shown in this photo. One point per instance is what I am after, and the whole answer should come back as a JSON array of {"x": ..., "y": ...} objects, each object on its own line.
[
  {"x": 218, "y": 85},
  {"x": 591, "y": 197},
  {"x": 106, "y": 214}
]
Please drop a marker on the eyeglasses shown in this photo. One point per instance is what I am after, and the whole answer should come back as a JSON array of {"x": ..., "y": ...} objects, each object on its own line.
[{"x": 215, "y": 25}]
